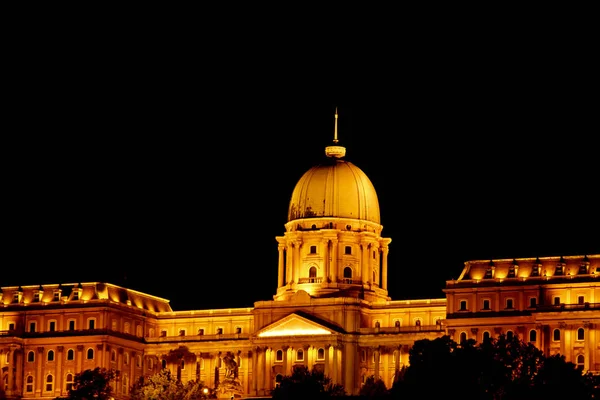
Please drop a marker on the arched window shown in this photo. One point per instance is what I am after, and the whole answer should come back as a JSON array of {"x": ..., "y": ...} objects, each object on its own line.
[
  {"x": 580, "y": 361},
  {"x": 532, "y": 335},
  {"x": 31, "y": 356},
  {"x": 90, "y": 354},
  {"x": 138, "y": 361},
  {"x": 126, "y": 358},
  {"x": 377, "y": 324},
  {"x": 300, "y": 355},
  {"x": 486, "y": 336},
  {"x": 580, "y": 334},
  {"x": 164, "y": 364},
  {"x": 125, "y": 381},
  {"x": 417, "y": 322},
  {"x": 113, "y": 356},
  {"x": 348, "y": 275},
  {"x": 312, "y": 274},
  {"x": 70, "y": 355},
  {"x": 510, "y": 335},
  {"x": 321, "y": 354},
  {"x": 29, "y": 384},
  {"x": 49, "y": 383},
  {"x": 463, "y": 337},
  {"x": 556, "y": 335},
  {"x": 397, "y": 323},
  {"x": 50, "y": 355},
  {"x": 69, "y": 382},
  {"x": 279, "y": 355}
]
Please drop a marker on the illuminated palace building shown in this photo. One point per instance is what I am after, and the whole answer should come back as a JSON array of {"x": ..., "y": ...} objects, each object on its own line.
[{"x": 330, "y": 310}]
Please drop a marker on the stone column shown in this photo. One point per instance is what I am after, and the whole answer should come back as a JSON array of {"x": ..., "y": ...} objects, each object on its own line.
[
  {"x": 59, "y": 373},
  {"x": 19, "y": 362},
  {"x": 132, "y": 362},
  {"x": 280, "y": 250},
  {"x": 327, "y": 368},
  {"x": 364, "y": 265},
  {"x": 10, "y": 356},
  {"x": 384, "y": 268},
  {"x": 336, "y": 364},
  {"x": 376, "y": 357},
  {"x": 349, "y": 368},
  {"x": 326, "y": 261},
  {"x": 254, "y": 369},
  {"x": 589, "y": 353},
  {"x": 288, "y": 265},
  {"x": 334, "y": 261},
  {"x": 286, "y": 367},
  {"x": 79, "y": 356},
  {"x": 260, "y": 376},
  {"x": 305, "y": 349},
  {"x": 297, "y": 246},
  {"x": 267, "y": 370},
  {"x": 39, "y": 361},
  {"x": 563, "y": 339}
]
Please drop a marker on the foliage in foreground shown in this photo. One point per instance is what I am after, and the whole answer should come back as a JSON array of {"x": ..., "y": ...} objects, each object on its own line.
[
  {"x": 497, "y": 369},
  {"x": 163, "y": 386},
  {"x": 305, "y": 384},
  {"x": 92, "y": 384}
]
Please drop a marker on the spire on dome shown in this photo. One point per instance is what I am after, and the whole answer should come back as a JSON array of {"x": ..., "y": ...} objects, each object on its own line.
[{"x": 335, "y": 151}]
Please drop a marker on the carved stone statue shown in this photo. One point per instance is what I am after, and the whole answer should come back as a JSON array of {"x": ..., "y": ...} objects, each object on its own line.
[{"x": 231, "y": 368}]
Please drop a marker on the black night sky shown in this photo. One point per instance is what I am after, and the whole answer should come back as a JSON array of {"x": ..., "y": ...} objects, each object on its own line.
[{"x": 166, "y": 164}]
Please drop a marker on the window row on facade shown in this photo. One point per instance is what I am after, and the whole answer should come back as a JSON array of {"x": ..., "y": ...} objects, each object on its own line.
[
  {"x": 510, "y": 302},
  {"x": 70, "y": 356},
  {"x": 532, "y": 335}
]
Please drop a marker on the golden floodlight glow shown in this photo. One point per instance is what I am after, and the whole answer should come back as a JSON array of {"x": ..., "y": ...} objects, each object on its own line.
[
  {"x": 295, "y": 332},
  {"x": 294, "y": 327}
]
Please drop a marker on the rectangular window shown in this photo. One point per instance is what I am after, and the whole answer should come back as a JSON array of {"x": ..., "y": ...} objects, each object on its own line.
[
  {"x": 557, "y": 301},
  {"x": 509, "y": 304},
  {"x": 75, "y": 295},
  {"x": 580, "y": 300},
  {"x": 348, "y": 250},
  {"x": 52, "y": 326},
  {"x": 313, "y": 249},
  {"x": 486, "y": 304},
  {"x": 56, "y": 296},
  {"x": 32, "y": 327},
  {"x": 92, "y": 324},
  {"x": 11, "y": 326},
  {"x": 532, "y": 302},
  {"x": 71, "y": 325},
  {"x": 463, "y": 305}
]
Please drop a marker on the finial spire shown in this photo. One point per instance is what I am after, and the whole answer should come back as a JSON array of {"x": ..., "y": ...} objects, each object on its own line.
[
  {"x": 335, "y": 151},
  {"x": 335, "y": 138}
]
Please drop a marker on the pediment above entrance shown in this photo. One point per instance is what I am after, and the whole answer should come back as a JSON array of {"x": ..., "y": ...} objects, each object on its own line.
[{"x": 295, "y": 325}]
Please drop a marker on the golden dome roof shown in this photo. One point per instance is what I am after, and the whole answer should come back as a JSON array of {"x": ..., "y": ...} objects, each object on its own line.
[{"x": 334, "y": 189}]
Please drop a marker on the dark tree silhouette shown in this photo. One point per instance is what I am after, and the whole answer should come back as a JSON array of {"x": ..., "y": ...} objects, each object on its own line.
[
  {"x": 497, "y": 369},
  {"x": 305, "y": 384},
  {"x": 92, "y": 384},
  {"x": 374, "y": 389}
]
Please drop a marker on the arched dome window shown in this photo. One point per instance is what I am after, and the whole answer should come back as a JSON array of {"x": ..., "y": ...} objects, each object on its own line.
[{"x": 348, "y": 275}]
